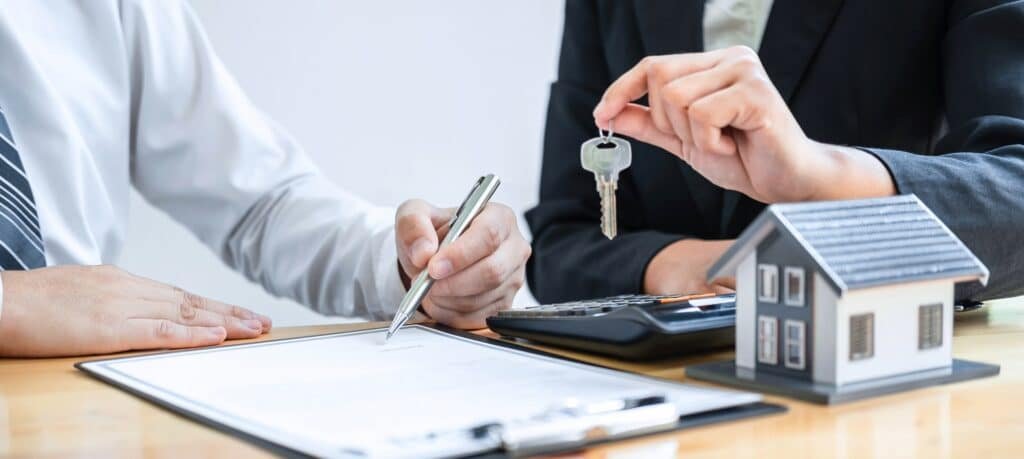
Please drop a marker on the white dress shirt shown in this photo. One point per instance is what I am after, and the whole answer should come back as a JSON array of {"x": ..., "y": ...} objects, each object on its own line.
[
  {"x": 101, "y": 95},
  {"x": 735, "y": 22}
]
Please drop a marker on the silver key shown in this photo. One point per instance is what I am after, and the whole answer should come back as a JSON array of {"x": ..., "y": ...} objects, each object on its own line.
[{"x": 606, "y": 156}]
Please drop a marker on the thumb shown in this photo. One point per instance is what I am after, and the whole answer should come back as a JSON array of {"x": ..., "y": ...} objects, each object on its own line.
[
  {"x": 635, "y": 121},
  {"x": 724, "y": 285},
  {"x": 416, "y": 227}
]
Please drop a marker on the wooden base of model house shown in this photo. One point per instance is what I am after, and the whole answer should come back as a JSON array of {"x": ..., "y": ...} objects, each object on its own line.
[{"x": 727, "y": 373}]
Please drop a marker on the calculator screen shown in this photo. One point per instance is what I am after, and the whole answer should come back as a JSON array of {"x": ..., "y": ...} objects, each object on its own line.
[{"x": 696, "y": 308}]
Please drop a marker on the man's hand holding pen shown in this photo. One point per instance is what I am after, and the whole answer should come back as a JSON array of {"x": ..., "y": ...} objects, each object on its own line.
[{"x": 477, "y": 274}]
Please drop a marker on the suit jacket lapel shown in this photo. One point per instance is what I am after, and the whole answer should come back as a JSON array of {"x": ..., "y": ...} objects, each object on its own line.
[
  {"x": 792, "y": 36},
  {"x": 673, "y": 27},
  {"x": 791, "y": 39}
]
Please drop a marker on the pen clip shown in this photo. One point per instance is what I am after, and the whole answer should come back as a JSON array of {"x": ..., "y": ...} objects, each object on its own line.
[
  {"x": 462, "y": 207},
  {"x": 475, "y": 203}
]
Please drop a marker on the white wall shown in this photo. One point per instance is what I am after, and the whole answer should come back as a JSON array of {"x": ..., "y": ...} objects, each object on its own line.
[{"x": 393, "y": 99}]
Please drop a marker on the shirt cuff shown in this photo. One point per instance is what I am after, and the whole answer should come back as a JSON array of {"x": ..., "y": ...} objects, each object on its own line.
[{"x": 893, "y": 161}]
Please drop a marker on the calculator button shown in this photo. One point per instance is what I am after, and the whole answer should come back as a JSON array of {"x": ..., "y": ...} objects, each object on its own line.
[{"x": 639, "y": 301}]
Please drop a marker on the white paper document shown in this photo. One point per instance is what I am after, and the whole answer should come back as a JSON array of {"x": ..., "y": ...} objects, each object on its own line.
[{"x": 352, "y": 394}]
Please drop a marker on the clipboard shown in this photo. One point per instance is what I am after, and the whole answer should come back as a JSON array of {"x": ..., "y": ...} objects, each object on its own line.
[{"x": 162, "y": 379}]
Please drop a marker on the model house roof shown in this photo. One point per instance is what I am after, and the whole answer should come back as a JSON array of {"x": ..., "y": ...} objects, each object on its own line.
[{"x": 863, "y": 243}]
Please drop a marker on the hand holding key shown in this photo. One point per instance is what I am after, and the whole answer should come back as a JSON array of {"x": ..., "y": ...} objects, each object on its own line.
[
  {"x": 719, "y": 112},
  {"x": 606, "y": 157}
]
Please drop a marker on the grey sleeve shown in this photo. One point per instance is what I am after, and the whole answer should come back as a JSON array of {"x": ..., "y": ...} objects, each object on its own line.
[{"x": 975, "y": 180}]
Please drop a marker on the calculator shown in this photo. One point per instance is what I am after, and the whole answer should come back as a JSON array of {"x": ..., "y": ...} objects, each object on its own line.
[{"x": 634, "y": 327}]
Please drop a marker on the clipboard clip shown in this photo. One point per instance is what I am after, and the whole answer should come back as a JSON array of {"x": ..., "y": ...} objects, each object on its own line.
[
  {"x": 570, "y": 425},
  {"x": 576, "y": 424}
]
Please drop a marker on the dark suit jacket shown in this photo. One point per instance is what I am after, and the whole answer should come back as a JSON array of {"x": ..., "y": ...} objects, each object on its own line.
[{"x": 934, "y": 88}]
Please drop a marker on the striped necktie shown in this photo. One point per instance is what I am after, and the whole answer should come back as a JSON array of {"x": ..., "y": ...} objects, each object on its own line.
[{"x": 21, "y": 243}]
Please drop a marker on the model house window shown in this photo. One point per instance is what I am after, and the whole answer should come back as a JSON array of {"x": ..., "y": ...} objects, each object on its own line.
[
  {"x": 767, "y": 339},
  {"x": 768, "y": 291},
  {"x": 794, "y": 286},
  {"x": 929, "y": 326},
  {"x": 862, "y": 336},
  {"x": 795, "y": 345}
]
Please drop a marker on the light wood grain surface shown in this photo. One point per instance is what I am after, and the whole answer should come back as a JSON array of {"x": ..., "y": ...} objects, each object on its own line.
[{"x": 49, "y": 409}]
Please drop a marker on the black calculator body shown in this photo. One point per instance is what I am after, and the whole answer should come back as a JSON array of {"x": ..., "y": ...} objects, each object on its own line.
[{"x": 635, "y": 327}]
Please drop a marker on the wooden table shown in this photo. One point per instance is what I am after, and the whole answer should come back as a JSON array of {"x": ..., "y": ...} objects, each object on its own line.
[{"x": 47, "y": 408}]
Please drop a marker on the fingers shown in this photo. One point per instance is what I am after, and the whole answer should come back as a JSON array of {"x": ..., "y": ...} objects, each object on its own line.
[
  {"x": 724, "y": 285},
  {"x": 683, "y": 90},
  {"x": 710, "y": 115},
  {"x": 416, "y": 225},
  {"x": 194, "y": 310},
  {"x": 680, "y": 126},
  {"x": 665, "y": 77},
  {"x": 729, "y": 170},
  {"x": 678, "y": 94},
  {"x": 657, "y": 75},
  {"x": 240, "y": 314},
  {"x": 190, "y": 309},
  {"x": 485, "y": 235},
  {"x": 468, "y": 321},
  {"x": 480, "y": 272},
  {"x": 740, "y": 106},
  {"x": 708, "y": 138},
  {"x": 659, "y": 70},
  {"x": 487, "y": 274},
  {"x": 682, "y": 86},
  {"x": 635, "y": 121},
  {"x": 467, "y": 297},
  {"x": 138, "y": 334},
  {"x": 151, "y": 290},
  {"x": 631, "y": 86}
]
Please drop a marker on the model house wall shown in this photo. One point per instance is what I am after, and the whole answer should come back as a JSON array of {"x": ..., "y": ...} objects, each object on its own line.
[
  {"x": 821, "y": 305},
  {"x": 896, "y": 312},
  {"x": 783, "y": 279},
  {"x": 746, "y": 310},
  {"x": 824, "y": 340}
]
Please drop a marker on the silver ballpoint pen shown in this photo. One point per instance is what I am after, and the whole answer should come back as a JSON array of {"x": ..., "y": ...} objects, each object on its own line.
[{"x": 470, "y": 208}]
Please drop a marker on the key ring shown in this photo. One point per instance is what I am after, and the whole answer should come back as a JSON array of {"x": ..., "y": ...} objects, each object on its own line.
[{"x": 611, "y": 130}]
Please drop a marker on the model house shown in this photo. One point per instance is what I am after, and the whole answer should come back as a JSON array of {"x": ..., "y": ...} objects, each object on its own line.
[{"x": 846, "y": 291}]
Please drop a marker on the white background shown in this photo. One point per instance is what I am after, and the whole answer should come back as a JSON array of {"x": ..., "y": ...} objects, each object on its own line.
[{"x": 393, "y": 99}]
